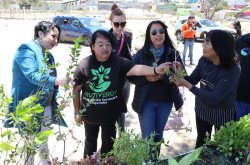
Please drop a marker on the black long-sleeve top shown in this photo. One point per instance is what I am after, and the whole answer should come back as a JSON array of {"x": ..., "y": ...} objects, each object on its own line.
[{"x": 215, "y": 98}]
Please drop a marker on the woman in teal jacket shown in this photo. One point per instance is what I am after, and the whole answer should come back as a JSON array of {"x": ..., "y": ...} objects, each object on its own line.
[{"x": 31, "y": 74}]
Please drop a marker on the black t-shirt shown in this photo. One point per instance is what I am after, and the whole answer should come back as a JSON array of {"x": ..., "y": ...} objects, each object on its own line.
[{"x": 103, "y": 85}]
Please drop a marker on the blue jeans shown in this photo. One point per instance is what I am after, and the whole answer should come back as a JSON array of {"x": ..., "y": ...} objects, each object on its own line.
[
  {"x": 188, "y": 44},
  {"x": 153, "y": 119},
  {"x": 242, "y": 109}
]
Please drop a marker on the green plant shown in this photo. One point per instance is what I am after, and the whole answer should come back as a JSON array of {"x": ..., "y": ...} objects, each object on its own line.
[
  {"x": 131, "y": 148},
  {"x": 233, "y": 139},
  {"x": 186, "y": 160}
]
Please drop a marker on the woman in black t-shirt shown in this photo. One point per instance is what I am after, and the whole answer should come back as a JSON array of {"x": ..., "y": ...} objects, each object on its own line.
[{"x": 99, "y": 80}]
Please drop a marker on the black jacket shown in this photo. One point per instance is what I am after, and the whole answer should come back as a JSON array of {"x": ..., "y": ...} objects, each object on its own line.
[
  {"x": 243, "y": 91},
  {"x": 126, "y": 49},
  {"x": 143, "y": 86}
]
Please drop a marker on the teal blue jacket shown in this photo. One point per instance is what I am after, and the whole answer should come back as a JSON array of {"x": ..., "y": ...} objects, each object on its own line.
[{"x": 30, "y": 74}]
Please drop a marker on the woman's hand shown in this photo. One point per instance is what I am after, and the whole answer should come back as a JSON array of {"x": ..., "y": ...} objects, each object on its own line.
[
  {"x": 181, "y": 82},
  {"x": 162, "y": 67},
  {"x": 177, "y": 66},
  {"x": 64, "y": 81},
  {"x": 78, "y": 119},
  {"x": 153, "y": 78}
]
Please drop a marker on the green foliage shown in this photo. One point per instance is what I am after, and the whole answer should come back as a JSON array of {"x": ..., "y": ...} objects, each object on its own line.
[
  {"x": 233, "y": 138},
  {"x": 186, "y": 160},
  {"x": 154, "y": 53},
  {"x": 41, "y": 137},
  {"x": 131, "y": 148}
]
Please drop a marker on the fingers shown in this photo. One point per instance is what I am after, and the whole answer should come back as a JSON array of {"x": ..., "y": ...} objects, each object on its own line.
[
  {"x": 78, "y": 119},
  {"x": 153, "y": 78},
  {"x": 64, "y": 81}
]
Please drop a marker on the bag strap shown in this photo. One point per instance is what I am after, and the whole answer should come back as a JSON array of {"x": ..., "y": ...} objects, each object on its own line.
[{"x": 121, "y": 45}]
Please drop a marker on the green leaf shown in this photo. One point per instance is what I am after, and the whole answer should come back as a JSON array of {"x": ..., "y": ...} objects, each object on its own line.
[
  {"x": 6, "y": 146},
  {"x": 6, "y": 133},
  {"x": 37, "y": 109},
  {"x": 59, "y": 137},
  {"x": 172, "y": 161},
  {"x": 107, "y": 71},
  {"x": 42, "y": 137},
  {"x": 248, "y": 158},
  {"x": 94, "y": 72},
  {"x": 190, "y": 158},
  {"x": 101, "y": 68}
]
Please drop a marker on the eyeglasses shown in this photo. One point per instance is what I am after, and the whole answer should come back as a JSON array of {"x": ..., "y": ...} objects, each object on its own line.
[
  {"x": 154, "y": 32},
  {"x": 117, "y": 24}
]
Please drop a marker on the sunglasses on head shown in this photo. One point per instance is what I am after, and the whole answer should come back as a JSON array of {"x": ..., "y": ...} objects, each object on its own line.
[
  {"x": 117, "y": 24},
  {"x": 154, "y": 32}
]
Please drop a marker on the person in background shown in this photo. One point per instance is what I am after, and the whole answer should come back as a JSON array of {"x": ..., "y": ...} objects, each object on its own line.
[
  {"x": 154, "y": 94},
  {"x": 188, "y": 30},
  {"x": 122, "y": 48},
  {"x": 217, "y": 72},
  {"x": 243, "y": 92},
  {"x": 31, "y": 74},
  {"x": 99, "y": 79},
  {"x": 237, "y": 27}
]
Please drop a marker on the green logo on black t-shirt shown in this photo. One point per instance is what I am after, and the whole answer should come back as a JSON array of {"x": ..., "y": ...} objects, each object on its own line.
[{"x": 101, "y": 75}]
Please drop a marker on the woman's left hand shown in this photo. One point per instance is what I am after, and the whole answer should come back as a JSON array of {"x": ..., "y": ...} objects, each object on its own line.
[
  {"x": 162, "y": 67},
  {"x": 153, "y": 78},
  {"x": 182, "y": 82}
]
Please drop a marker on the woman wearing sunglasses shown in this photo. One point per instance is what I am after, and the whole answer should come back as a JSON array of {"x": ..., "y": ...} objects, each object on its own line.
[
  {"x": 154, "y": 95},
  {"x": 122, "y": 48}
]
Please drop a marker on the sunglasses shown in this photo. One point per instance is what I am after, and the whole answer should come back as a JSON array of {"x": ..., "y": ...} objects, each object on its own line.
[
  {"x": 117, "y": 24},
  {"x": 154, "y": 32}
]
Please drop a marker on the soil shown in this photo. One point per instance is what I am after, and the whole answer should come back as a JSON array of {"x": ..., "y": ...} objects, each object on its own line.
[{"x": 209, "y": 156}]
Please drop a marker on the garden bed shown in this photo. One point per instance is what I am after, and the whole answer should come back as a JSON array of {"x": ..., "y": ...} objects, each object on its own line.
[{"x": 208, "y": 155}]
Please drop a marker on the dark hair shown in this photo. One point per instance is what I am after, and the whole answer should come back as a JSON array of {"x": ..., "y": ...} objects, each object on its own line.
[
  {"x": 191, "y": 17},
  {"x": 103, "y": 34},
  {"x": 115, "y": 11},
  {"x": 147, "y": 42},
  {"x": 223, "y": 44},
  {"x": 45, "y": 27}
]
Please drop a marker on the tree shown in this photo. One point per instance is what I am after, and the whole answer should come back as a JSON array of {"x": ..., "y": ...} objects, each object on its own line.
[{"x": 211, "y": 6}]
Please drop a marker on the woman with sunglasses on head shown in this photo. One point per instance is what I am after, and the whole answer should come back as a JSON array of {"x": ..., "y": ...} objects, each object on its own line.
[
  {"x": 122, "y": 48},
  {"x": 31, "y": 74},
  {"x": 154, "y": 95},
  {"x": 217, "y": 73}
]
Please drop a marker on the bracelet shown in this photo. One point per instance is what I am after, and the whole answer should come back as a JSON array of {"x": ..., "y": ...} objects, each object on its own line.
[{"x": 155, "y": 71}]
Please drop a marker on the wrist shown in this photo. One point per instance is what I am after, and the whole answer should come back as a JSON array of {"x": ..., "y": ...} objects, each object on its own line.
[{"x": 155, "y": 72}]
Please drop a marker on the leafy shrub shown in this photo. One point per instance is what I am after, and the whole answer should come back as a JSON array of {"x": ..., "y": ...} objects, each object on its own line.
[
  {"x": 132, "y": 149},
  {"x": 233, "y": 139}
]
